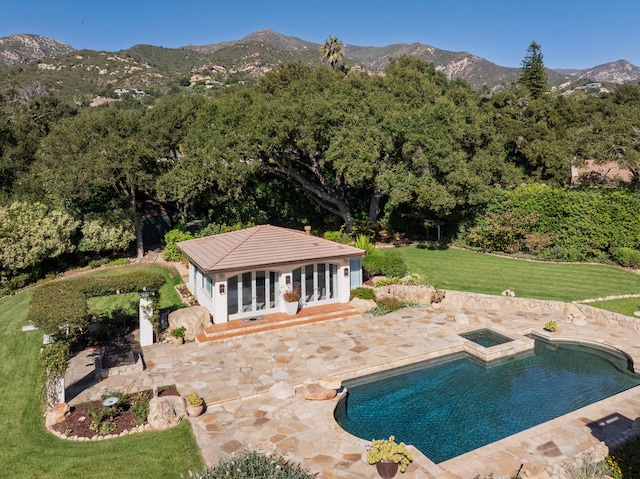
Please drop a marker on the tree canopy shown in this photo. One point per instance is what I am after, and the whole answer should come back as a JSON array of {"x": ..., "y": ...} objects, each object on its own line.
[{"x": 409, "y": 148}]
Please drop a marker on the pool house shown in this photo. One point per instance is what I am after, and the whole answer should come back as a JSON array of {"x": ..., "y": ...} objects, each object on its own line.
[{"x": 244, "y": 273}]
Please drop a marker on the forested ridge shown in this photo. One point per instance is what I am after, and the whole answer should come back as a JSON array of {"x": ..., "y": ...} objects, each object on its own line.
[{"x": 405, "y": 151}]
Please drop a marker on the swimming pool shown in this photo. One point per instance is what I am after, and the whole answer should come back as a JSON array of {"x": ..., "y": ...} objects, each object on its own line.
[{"x": 454, "y": 405}]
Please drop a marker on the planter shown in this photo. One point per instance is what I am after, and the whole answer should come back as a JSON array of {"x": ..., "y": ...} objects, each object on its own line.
[
  {"x": 387, "y": 469},
  {"x": 291, "y": 308},
  {"x": 176, "y": 341},
  {"x": 195, "y": 411}
]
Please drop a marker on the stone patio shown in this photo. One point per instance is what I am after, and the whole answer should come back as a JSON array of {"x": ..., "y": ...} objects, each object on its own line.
[{"x": 234, "y": 376}]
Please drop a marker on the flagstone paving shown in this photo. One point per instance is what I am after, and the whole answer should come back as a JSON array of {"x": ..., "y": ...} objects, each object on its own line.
[{"x": 235, "y": 375}]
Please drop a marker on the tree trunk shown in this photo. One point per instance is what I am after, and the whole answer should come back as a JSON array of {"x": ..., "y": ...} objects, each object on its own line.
[
  {"x": 137, "y": 222},
  {"x": 374, "y": 204}
]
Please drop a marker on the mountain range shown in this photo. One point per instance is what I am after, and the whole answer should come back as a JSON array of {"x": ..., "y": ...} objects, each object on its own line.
[{"x": 29, "y": 58}]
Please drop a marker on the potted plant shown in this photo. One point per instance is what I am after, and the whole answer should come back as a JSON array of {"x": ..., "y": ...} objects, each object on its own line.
[
  {"x": 388, "y": 455},
  {"x": 551, "y": 326},
  {"x": 195, "y": 404},
  {"x": 291, "y": 301},
  {"x": 177, "y": 335}
]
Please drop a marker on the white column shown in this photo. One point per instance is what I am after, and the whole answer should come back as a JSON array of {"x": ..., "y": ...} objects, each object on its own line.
[
  {"x": 344, "y": 283},
  {"x": 146, "y": 328},
  {"x": 220, "y": 312}
]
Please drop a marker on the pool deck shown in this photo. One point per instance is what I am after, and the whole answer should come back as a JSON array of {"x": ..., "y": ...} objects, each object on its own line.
[{"x": 234, "y": 376}]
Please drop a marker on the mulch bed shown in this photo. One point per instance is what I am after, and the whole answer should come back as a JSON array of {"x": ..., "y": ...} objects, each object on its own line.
[{"x": 78, "y": 421}]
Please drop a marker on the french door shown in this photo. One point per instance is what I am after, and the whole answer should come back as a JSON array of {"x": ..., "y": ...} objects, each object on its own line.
[
  {"x": 316, "y": 282},
  {"x": 252, "y": 292}
]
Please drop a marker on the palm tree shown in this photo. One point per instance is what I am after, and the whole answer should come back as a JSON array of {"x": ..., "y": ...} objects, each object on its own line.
[{"x": 332, "y": 50}]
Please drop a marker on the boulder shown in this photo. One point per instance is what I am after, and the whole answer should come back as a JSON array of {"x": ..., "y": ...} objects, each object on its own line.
[
  {"x": 166, "y": 412},
  {"x": 282, "y": 390},
  {"x": 195, "y": 319},
  {"x": 363, "y": 305},
  {"x": 56, "y": 414},
  {"x": 330, "y": 383},
  {"x": 315, "y": 392}
]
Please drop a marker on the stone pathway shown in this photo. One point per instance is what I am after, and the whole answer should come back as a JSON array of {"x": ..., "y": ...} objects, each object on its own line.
[{"x": 234, "y": 377}]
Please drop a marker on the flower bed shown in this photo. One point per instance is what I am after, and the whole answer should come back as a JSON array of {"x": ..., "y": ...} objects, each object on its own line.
[{"x": 77, "y": 425}]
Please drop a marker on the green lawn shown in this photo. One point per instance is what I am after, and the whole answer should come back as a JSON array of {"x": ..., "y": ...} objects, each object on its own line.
[
  {"x": 29, "y": 451},
  {"x": 481, "y": 273}
]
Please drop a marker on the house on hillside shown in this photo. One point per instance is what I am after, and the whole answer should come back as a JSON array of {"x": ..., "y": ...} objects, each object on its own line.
[
  {"x": 244, "y": 273},
  {"x": 592, "y": 173}
]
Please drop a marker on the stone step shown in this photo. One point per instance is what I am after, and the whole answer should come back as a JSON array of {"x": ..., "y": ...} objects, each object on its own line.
[{"x": 271, "y": 322}]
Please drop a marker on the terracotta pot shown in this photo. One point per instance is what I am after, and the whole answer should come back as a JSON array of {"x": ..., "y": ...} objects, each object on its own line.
[
  {"x": 387, "y": 469},
  {"x": 194, "y": 411}
]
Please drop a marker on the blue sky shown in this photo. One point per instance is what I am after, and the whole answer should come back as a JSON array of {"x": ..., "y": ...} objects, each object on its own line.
[{"x": 573, "y": 34}]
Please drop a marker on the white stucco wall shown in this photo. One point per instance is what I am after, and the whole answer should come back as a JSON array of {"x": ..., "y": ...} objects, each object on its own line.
[{"x": 215, "y": 300}]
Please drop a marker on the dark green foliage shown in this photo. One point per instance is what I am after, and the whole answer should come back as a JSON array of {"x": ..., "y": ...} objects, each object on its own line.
[
  {"x": 55, "y": 362},
  {"x": 503, "y": 231},
  {"x": 572, "y": 225},
  {"x": 70, "y": 306},
  {"x": 362, "y": 293},
  {"x": 386, "y": 262},
  {"x": 256, "y": 465},
  {"x": 533, "y": 74},
  {"x": 628, "y": 257},
  {"x": 70, "y": 297},
  {"x": 627, "y": 458}
]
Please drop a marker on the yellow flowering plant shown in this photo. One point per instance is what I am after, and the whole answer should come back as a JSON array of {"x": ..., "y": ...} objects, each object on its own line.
[{"x": 389, "y": 450}]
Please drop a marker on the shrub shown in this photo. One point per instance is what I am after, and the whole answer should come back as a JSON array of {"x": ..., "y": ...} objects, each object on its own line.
[
  {"x": 256, "y": 465},
  {"x": 96, "y": 263},
  {"x": 387, "y": 280},
  {"x": 337, "y": 236},
  {"x": 589, "y": 469},
  {"x": 387, "y": 262},
  {"x": 368, "y": 228},
  {"x": 628, "y": 257},
  {"x": 118, "y": 262},
  {"x": 625, "y": 460},
  {"x": 364, "y": 243},
  {"x": 171, "y": 251},
  {"x": 140, "y": 407},
  {"x": 389, "y": 304},
  {"x": 362, "y": 293}
]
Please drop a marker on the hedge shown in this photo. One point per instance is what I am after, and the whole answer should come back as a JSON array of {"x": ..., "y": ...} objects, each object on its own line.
[
  {"x": 628, "y": 257},
  {"x": 573, "y": 224},
  {"x": 58, "y": 304},
  {"x": 386, "y": 262}
]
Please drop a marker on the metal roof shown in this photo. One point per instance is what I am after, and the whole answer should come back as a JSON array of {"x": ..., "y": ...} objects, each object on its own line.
[{"x": 260, "y": 247}]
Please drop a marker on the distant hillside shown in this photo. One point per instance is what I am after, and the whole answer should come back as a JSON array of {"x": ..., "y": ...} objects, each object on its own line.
[
  {"x": 69, "y": 73},
  {"x": 615, "y": 72},
  {"x": 25, "y": 48},
  {"x": 477, "y": 71}
]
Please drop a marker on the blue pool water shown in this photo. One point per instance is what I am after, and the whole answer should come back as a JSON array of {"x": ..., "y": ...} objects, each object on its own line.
[
  {"x": 457, "y": 405},
  {"x": 485, "y": 337}
]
